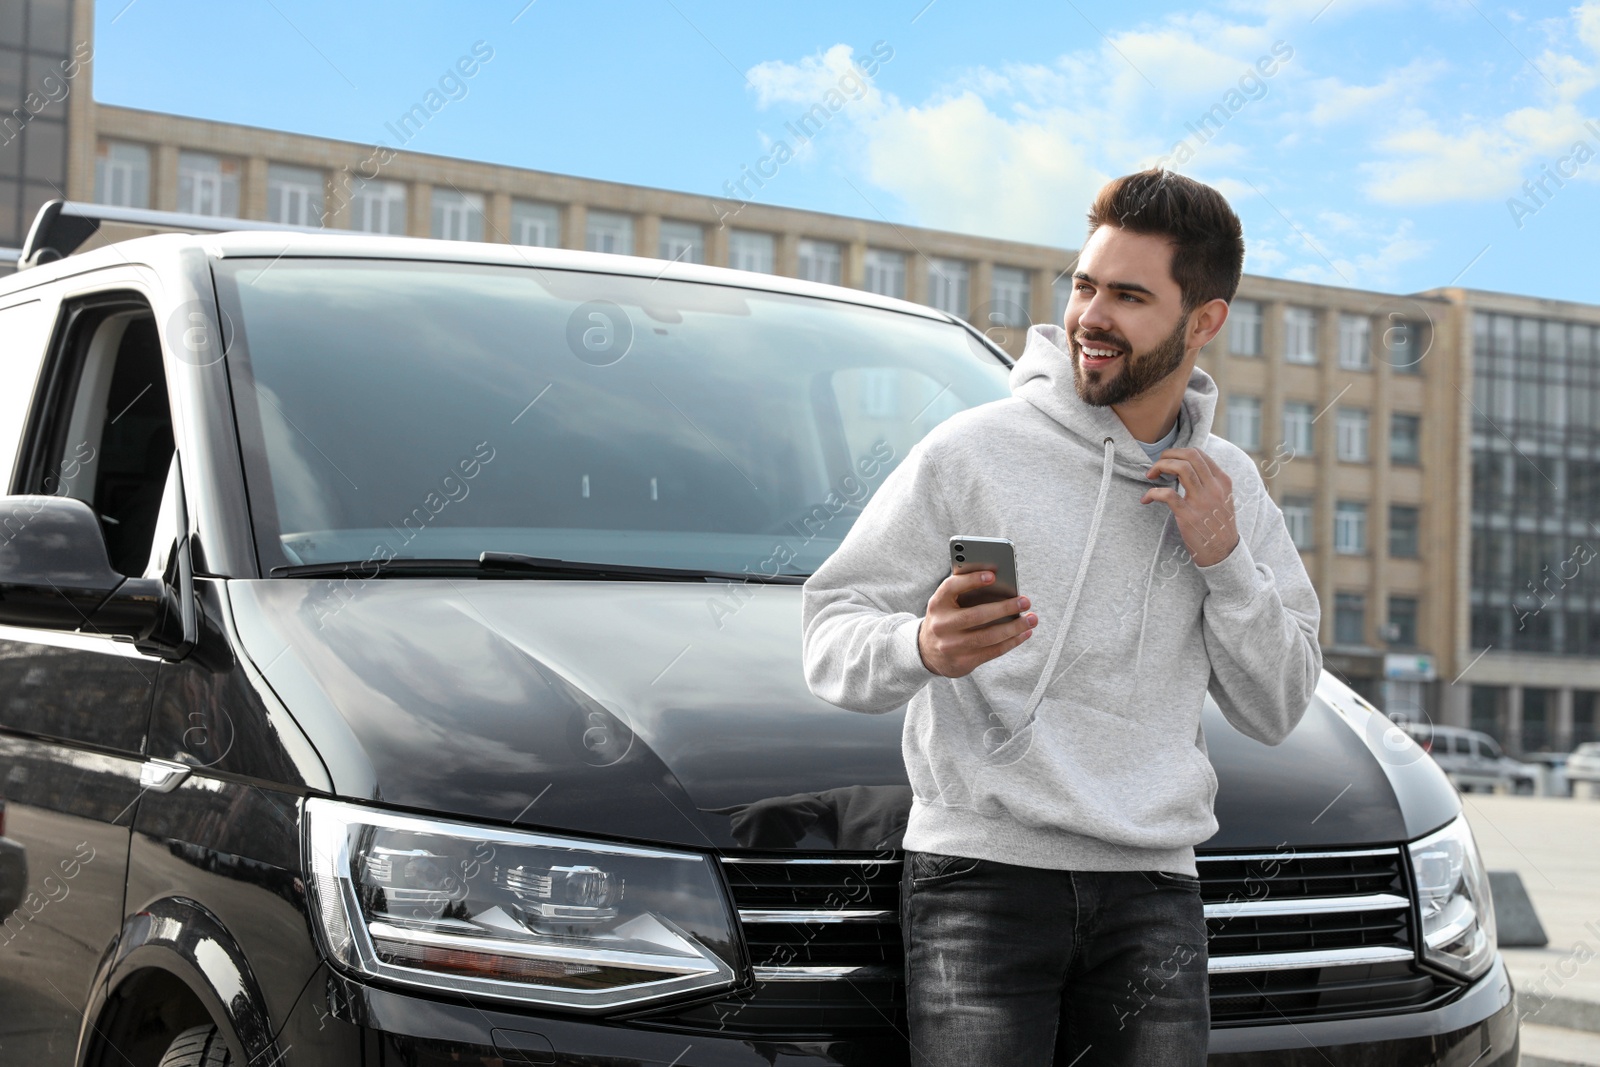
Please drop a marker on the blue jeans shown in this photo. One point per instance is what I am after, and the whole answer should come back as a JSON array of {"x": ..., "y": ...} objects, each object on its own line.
[{"x": 1022, "y": 967}]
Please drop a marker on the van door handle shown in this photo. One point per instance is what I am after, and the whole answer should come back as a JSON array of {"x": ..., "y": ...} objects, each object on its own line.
[{"x": 162, "y": 776}]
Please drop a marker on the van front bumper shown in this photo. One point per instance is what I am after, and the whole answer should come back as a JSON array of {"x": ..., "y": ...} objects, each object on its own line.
[{"x": 1477, "y": 1028}]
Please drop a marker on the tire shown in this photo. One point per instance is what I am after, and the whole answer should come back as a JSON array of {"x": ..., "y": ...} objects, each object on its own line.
[{"x": 198, "y": 1046}]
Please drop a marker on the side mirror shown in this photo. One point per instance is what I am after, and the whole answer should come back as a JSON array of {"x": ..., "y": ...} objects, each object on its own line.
[{"x": 55, "y": 573}]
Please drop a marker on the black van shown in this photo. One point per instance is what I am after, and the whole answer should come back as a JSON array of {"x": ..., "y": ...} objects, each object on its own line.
[{"x": 400, "y": 664}]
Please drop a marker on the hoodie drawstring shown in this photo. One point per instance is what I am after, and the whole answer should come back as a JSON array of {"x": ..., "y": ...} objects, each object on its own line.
[
  {"x": 1144, "y": 611},
  {"x": 1077, "y": 587}
]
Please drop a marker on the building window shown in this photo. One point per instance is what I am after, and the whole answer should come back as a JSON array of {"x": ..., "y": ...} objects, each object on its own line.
[
  {"x": 1402, "y": 346},
  {"x": 1011, "y": 296},
  {"x": 1402, "y": 628},
  {"x": 1403, "y": 531},
  {"x": 1299, "y": 335},
  {"x": 457, "y": 216},
  {"x": 748, "y": 250},
  {"x": 122, "y": 174},
  {"x": 1297, "y": 515},
  {"x": 208, "y": 185},
  {"x": 1349, "y": 619},
  {"x": 948, "y": 282},
  {"x": 294, "y": 195},
  {"x": 682, "y": 242},
  {"x": 1355, "y": 342},
  {"x": 1405, "y": 439},
  {"x": 1352, "y": 424},
  {"x": 378, "y": 207},
  {"x": 1061, "y": 290},
  {"x": 1244, "y": 328},
  {"x": 608, "y": 232},
  {"x": 1298, "y": 419},
  {"x": 1350, "y": 528},
  {"x": 1485, "y": 715},
  {"x": 535, "y": 224},
  {"x": 1244, "y": 422},
  {"x": 886, "y": 272},
  {"x": 821, "y": 261},
  {"x": 1584, "y": 724}
]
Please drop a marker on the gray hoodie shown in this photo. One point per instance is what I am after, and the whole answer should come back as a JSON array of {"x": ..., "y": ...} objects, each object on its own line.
[{"x": 1081, "y": 748}]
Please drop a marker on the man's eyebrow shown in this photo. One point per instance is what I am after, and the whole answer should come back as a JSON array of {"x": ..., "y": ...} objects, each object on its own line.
[{"x": 1125, "y": 287}]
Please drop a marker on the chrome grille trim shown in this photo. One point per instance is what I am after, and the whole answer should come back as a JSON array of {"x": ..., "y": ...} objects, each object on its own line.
[
  {"x": 1288, "y": 961},
  {"x": 817, "y": 915},
  {"x": 798, "y": 860},
  {"x": 1306, "y": 905},
  {"x": 813, "y": 974},
  {"x": 1285, "y": 857}
]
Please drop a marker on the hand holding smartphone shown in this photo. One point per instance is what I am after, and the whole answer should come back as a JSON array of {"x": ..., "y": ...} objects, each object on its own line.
[
  {"x": 969, "y": 622},
  {"x": 969, "y": 554}
]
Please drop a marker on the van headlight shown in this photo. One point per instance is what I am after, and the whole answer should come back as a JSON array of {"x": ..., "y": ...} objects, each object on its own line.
[
  {"x": 536, "y": 918},
  {"x": 1458, "y": 931}
]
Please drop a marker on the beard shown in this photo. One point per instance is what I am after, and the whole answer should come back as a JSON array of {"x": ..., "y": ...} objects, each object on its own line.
[{"x": 1140, "y": 372}]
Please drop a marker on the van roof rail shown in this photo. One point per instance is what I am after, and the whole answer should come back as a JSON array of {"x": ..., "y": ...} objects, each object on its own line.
[{"x": 62, "y": 226}]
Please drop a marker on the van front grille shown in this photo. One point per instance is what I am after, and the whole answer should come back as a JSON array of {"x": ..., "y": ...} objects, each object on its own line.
[
  {"x": 1293, "y": 936},
  {"x": 1311, "y": 935}
]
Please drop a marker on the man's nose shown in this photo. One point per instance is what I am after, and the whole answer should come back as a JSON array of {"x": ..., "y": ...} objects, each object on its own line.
[{"x": 1094, "y": 314}]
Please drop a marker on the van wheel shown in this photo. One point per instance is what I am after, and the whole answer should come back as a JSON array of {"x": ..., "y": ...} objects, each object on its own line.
[{"x": 198, "y": 1046}]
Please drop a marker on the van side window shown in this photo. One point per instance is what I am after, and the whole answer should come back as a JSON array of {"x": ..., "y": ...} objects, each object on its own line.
[{"x": 109, "y": 440}]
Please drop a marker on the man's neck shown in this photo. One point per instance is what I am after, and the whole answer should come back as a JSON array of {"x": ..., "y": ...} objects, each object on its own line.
[{"x": 1151, "y": 415}]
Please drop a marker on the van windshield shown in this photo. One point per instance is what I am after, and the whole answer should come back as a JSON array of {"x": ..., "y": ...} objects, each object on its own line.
[{"x": 434, "y": 411}]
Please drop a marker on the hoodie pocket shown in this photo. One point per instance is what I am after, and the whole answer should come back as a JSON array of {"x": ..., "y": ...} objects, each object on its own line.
[{"x": 1077, "y": 768}]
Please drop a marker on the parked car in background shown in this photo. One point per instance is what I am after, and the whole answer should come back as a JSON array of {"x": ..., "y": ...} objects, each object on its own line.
[
  {"x": 1583, "y": 768},
  {"x": 1473, "y": 760},
  {"x": 1553, "y": 767},
  {"x": 400, "y": 650}
]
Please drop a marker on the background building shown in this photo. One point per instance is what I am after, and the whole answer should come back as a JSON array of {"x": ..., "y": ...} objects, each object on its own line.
[
  {"x": 1534, "y": 438},
  {"x": 1435, "y": 456},
  {"x": 39, "y": 101}
]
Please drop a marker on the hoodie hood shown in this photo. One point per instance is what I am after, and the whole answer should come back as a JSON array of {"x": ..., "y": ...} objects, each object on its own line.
[{"x": 1044, "y": 378}]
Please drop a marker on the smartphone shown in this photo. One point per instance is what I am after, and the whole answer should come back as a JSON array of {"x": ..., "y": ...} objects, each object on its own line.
[{"x": 995, "y": 554}]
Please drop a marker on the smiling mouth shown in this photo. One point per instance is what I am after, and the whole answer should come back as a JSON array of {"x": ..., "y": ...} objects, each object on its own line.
[{"x": 1096, "y": 355}]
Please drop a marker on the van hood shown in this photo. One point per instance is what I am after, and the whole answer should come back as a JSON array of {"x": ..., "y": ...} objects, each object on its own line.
[{"x": 677, "y": 713}]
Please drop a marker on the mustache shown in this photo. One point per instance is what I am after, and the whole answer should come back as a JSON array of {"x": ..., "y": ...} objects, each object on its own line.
[{"x": 1103, "y": 340}]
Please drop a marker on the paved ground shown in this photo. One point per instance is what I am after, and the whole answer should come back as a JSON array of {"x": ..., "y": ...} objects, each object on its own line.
[{"x": 1554, "y": 844}]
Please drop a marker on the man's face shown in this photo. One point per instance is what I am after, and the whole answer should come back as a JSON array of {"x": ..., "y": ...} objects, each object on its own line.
[{"x": 1125, "y": 321}]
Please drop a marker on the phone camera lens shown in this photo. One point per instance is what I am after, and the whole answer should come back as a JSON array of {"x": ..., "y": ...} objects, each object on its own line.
[
  {"x": 961, "y": 559},
  {"x": 961, "y": 548}
]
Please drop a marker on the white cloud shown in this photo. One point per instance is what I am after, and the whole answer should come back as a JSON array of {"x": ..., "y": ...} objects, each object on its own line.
[
  {"x": 810, "y": 80},
  {"x": 1479, "y": 159},
  {"x": 960, "y": 166},
  {"x": 1427, "y": 159},
  {"x": 1378, "y": 268},
  {"x": 1020, "y": 150},
  {"x": 1340, "y": 102}
]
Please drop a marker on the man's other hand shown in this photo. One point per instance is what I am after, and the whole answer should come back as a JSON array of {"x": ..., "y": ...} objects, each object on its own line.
[
  {"x": 1205, "y": 510},
  {"x": 954, "y": 640}
]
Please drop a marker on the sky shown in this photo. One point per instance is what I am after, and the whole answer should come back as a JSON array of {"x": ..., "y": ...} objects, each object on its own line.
[{"x": 1395, "y": 145}]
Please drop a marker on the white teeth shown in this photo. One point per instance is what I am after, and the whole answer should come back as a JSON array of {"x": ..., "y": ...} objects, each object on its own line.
[{"x": 1099, "y": 353}]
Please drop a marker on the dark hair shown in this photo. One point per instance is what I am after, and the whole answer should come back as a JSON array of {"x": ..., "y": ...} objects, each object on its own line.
[{"x": 1207, "y": 239}]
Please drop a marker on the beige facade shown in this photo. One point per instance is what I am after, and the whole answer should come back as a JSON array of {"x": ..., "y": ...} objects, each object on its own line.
[{"x": 1356, "y": 404}]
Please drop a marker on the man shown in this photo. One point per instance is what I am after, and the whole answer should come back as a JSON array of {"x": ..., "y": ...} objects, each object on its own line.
[{"x": 1049, "y": 901}]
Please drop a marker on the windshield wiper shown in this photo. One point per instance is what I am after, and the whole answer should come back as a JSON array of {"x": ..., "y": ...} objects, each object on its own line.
[
  {"x": 515, "y": 563},
  {"x": 545, "y": 565}
]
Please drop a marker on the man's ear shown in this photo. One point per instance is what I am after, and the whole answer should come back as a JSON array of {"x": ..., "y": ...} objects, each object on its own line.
[{"x": 1205, "y": 322}]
